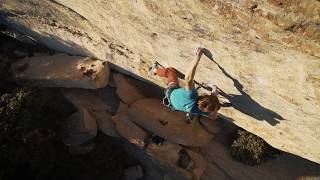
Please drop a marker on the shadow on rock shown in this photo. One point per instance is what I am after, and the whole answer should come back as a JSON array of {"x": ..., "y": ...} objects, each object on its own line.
[{"x": 244, "y": 102}]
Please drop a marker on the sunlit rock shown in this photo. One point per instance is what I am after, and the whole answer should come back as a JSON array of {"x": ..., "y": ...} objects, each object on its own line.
[
  {"x": 127, "y": 129},
  {"x": 62, "y": 71},
  {"x": 171, "y": 125}
]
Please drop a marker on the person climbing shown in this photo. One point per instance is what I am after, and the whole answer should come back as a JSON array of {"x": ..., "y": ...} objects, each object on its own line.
[{"x": 187, "y": 99}]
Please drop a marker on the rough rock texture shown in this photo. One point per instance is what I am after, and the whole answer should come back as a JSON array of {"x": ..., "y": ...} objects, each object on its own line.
[
  {"x": 157, "y": 118},
  {"x": 127, "y": 129},
  {"x": 266, "y": 52},
  {"x": 85, "y": 98},
  {"x": 126, "y": 90},
  {"x": 78, "y": 128},
  {"x": 63, "y": 71},
  {"x": 105, "y": 123},
  {"x": 221, "y": 165},
  {"x": 99, "y": 109},
  {"x": 210, "y": 125},
  {"x": 168, "y": 153},
  {"x": 109, "y": 97},
  {"x": 133, "y": 173},
  {"x": 81, "y": 148}
]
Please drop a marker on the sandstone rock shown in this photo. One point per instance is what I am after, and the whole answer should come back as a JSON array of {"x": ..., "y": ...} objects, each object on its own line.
[
  {"x": 78, "y": 128},
  {"x": 155, "y": 117},
  {"x": 286, "y": 166},
  {"x": 105, "y": 123},
  {"x": 152, "y": 168},
  {"x": 108, "y": 96},
  {"x": 127, "y": 129},
  {"x": 85, "y": 98},
  {"x": 99, "y": 109},
  {"x": 63, "y": 71},
  {"x": 212, "y": 126},
  {"x": 200, "y": 164},
  {"x": 257, "y": 80},
  {"x": 82, "y": 148},
  {"x": 112, "y": 83},
  {"x": 133, "y": 173},
  {"x": 126, "y": 90},
  {"x": 169, "y": 154}
]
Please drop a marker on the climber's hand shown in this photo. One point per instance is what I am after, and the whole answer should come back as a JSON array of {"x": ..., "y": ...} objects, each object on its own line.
[
  {"x": 215, "y": 90},
  {"x": 199, "y": 52}
]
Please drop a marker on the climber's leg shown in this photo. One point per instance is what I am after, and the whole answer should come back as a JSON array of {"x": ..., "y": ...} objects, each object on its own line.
[{"x": 171, "y": 74}]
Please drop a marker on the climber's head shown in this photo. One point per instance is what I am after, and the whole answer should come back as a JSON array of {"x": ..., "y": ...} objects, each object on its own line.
[{"x": 208, "y": 103}]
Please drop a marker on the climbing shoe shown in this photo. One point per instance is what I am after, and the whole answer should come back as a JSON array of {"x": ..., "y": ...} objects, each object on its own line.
[{"x": 153, "y": 68}]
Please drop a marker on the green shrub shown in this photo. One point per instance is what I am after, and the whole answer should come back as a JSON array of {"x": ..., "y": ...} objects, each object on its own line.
[{"x": 250, "y": 149}]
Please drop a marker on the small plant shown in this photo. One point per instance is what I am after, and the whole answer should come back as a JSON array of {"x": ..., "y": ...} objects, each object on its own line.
[{"x": 250, "y": 149}]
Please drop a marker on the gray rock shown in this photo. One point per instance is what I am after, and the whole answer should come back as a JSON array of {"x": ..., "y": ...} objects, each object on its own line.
[
  {"x": 105, "y": 123},
  {"x": 78, "y": 128},
  {"x": 133, "y": 173},
  {"x": 85, "y": 98},
  {"x": 82, "y": 148}
]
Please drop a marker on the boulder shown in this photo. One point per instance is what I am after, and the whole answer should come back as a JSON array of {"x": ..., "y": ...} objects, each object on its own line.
[
  {"x": 133, "y": 173},
  {"x": 108, "y": 96},
  {"x": 221, "y": 165},
  {"x": 112, "y": 83},
  {"x": 63, "y": 71},
  {"x": 78, "y": 128},
  {"x": 105, "y": 123},
  {"x": 127, "y": 129},
  {"x": 126, "y": 89},
  {"x": 171, "y": 125},
  {"x": 170, "y": 154},
  {"x": 96, "y": 107},
  {"x": 252, "y": 53},
  {"x": 82, "y": 148},
  {"x": 85, "y": 98},
  {"x": 212, "y": 126},
  {"x": 200, "y": 164}
]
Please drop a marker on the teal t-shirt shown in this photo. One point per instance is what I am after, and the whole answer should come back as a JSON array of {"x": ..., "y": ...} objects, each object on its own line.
[{"x": 186, "y": 101}]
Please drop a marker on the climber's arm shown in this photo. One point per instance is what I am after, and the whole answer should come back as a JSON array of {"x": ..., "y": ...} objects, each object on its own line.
[{"x": 191, "y": 72}]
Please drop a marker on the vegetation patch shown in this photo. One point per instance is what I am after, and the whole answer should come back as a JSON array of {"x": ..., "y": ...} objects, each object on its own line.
[{"x": 251, "y": 149}]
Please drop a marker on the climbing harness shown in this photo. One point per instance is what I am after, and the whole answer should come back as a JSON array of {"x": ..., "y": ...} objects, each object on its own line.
[{"x": 166, "y": 100}]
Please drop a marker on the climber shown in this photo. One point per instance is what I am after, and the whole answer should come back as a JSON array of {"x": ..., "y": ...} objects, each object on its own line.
[{"x": 187, "y": 99}]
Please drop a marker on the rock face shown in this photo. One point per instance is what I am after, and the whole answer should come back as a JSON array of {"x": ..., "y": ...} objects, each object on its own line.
[
  {"x": 287, "y": 166},
  {"x": 85, "y": 98},
  {"x": 127, "y": 129},
  {"x": 170, "y": 154},
  {"x": 82, "y": 98},
  {"x": 126, "y": 90},
  {"x": 78, "y": 128},
  {"x": 81, "y": 148},
  {"x": 105, "y": 123},
  {"x": 157, "y": 118},
  {"x": 253, "y": 42},
  {"x": 63, "y": 71},
  {"x": 210, "y": 125}
]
